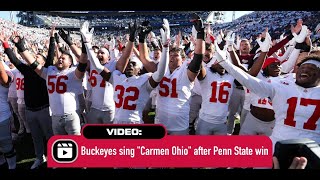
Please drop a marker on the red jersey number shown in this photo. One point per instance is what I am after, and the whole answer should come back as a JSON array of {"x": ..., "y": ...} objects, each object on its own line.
[
  {"x": 223, "y": 94},
  {"x": 311, "y": 122},
  {"x": 93, "y": 79},
  {"x": 57, "y": 84},
  {"x": 20, "y": 84},
  {"x": 165, "y": 89},
  {"x": 124, "y": 101}
]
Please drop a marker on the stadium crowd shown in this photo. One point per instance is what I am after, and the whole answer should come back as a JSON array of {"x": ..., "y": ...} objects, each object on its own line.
[{"x": 263, "y": 68}]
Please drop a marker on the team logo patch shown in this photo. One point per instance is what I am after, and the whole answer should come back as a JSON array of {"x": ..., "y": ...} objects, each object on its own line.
[{"x": 285, "y": 83}]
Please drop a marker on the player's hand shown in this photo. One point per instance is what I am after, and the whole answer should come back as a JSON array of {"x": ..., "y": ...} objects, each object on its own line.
[
  {"x": 19, "y": 41},
  {"x": 165, "y": 33},
  {"x": 65, "y": 35},
  {"x": 198, "y": 25},
  {"x": 132, "y": 31},
  {"x": 221, "y": 55},
  {"x": 197, "y": 22},
  {"x": 111, "y": 43},
  {"x": 86, "y": 34},
  {"x": 3, "y": 37},
  {"x": 231, "y": 36},
  {"x": 144, "y": 29},
  {"x": 266, "y": 44},
  {"x": 302, "y": 36}
]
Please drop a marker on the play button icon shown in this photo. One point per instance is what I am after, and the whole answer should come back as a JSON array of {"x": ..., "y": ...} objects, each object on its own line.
[{"x": 64, "y": 151}]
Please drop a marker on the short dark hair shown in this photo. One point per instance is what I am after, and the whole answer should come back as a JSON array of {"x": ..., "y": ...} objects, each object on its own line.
[
  {"x": 208, "y": 46},
  {"x": 71, "y": 58},
  {"x": 44, "y": 58},
  {"x": 179, "y": 50},
  {"x": 157, "y": 49},
  {"x": 95, "y": 47}
]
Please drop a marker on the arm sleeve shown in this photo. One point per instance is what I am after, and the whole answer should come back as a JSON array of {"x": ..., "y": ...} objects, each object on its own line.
[
  {"x": 162, "y": 66},
  {"x": 15, "y": 61},
  {"x": 286, "y": 54},
  {"x": 254, "y": 49},
  {"x": 93, "y": 58},
  {"x": 289, "y": 65},
  {"x": 257, "y": 86},
  {"x": 49, "y": 60},
  {"x": 279, "y": 45}
]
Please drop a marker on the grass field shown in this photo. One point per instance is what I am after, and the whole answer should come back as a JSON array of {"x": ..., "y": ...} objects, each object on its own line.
[{"x": 25, "y": 152}]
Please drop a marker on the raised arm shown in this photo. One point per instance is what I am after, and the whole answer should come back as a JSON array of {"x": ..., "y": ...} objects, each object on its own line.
[
  {"x": 50, "y": 57},
  {"x": 287, "y": 66},
  {"x": 11, "y": 55},
  {"x": 144, "y": 30},
  {"x": 264, "y": 47},
  {"x": 21, "y": 46},
  {"x": 87, "y": 49},
  {"x": 112, "y": 47},
  {"x": 230, "y": 38},
  {"x": 67, "y": 38},
  {"x": 286, "y": 54},
  {"x": 136, "y": 52},
  {"x": 164, "y": 61},
  {"x": 195, "y": 65},
  {"x": 257, "y": 86},
  {"x": 124, "y": 59}
]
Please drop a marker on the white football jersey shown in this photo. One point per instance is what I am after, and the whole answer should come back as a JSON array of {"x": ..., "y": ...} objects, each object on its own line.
[
  {"x": 86, "y": 79},
  {"x": 216, "y": 91},
  {"x": 62, "y": 89},
  {"x": 297, "y": 110},
  {"x": 256, "y": 100},
  {"x": 197, "y": 88},
  {"x": 247, "y": 99},
  {"x": 5, "y": 112},
  {"x": 130, "y": 97},
  {"x": 20, "y": 87},
  {"x": 153, "y": 96},
  {"x": 12, "y": 89},
  {"x": 173, "y": 107},
  {"x": 102, "y": 91}
]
